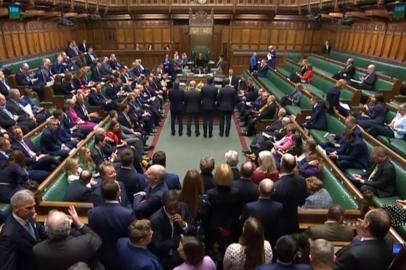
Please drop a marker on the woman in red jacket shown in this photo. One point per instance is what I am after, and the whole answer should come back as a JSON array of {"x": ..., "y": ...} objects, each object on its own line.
[{"x": 307, "y": 77}]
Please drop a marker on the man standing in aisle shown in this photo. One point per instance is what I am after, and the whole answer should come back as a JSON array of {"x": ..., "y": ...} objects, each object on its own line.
[{"x": 227, "y": 98}]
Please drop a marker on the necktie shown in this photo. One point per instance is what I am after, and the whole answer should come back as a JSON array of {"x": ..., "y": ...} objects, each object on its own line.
[
  {"x": 30, "y": 230},
  {"x": 25, "y": 146}
]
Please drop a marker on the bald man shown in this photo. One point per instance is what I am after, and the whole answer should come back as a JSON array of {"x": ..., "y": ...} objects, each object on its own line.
[
  {"x": 149, "y": 201},
  {"x": 62, "y": 250},
  {"x": 268, "y": 211},
  {"x": 366, "y": 82},
  {"x": 291, "y": 191}
]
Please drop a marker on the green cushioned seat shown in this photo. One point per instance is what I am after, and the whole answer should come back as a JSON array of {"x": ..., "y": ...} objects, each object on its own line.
[
  {"x": 5, "y": 207},
  {"x": 36, "y": 140},
  {"x": 393, "y": 70},
  {"x": 272, "y": 88},
  {"x": 287, "y": 69},
  {"x": 294, "y": 56},
  {"x": 397, "y": 145},
  {"x": 334, "y": 126},
  {"x": 57, "y": 190},
  {"x": 338, "y": 192},
  {"x": 34, "y": 62}
]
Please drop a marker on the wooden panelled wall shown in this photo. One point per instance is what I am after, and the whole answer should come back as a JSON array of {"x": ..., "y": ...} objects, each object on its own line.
[
  {"x": 376, "y": 39},
  {"x": 23, "y": 39}
]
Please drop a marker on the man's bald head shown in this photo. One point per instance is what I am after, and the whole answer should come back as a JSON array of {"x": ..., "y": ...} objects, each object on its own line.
[
  {"x": 100, "y": 131},
  {"x": 155, "y": 174},
  {"x": 58, "y": 224},
  {"x": 265, "y": 188},
  {"x": 288, "y": 163},
  {"x": 247, "y": 168}
]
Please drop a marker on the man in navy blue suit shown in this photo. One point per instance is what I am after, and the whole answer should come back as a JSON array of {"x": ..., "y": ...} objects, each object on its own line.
[
  {"x": 133, "y": 252},
  {"x": 266, "y": 210},
  {"x": 20, "y": 233},
  {"x": 50, "y": 143},
  {"x": 43, "y": 76},
  {"x": 318, "y": 118},
  {"x": 286, "y": 250},
  {"x": 177, "y": 101},
  {"x": 23, "y": 75},
  {"x": 171, "y": 179},
  {"x": 79, "y": 191},
  {"x": 149, "y": 201},
  {"x": 110, "y": 221},
  {"x": 248, "y": 190},
  {"x": 226, "y": 100},
  {"x": 209, "y": 99},
  {"x": 169, "y": 224}
]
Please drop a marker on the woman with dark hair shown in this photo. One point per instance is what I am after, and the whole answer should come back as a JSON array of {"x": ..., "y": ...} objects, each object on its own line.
[
  {"x": 191, "y": 250},
  {"x": 252, "y": 250},
  {"x": 68, "y": 88},
  {"x": 307, "y": 77},
  {"x": 13, "y": 175},
  {"x": 114, "y": 134},
  {"x": 374, "y": 114},
  {"x": 192, "y": 189}
]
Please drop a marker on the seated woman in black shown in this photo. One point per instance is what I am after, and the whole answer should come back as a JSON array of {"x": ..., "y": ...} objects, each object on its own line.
[
  {"x": 68, "y": 87},
  {"x": 12, "y": 176}
]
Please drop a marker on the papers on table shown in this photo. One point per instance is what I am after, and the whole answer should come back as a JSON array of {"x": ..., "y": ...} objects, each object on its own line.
[{"x": 345, "y": 106}]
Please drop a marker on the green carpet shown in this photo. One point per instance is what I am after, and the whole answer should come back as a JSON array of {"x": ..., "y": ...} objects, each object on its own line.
[{"x": 184, "y": 153}]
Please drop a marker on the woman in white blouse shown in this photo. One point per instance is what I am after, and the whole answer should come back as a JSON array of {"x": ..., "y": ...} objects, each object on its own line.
[{"x": 252, "y": 250}]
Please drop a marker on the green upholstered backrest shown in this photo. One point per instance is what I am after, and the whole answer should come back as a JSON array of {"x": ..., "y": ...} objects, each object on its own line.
[
  {"x": 337, "y": 191},
  {"x": 334, "y": 125},
  {"x": 34, "y": 62},
  {"x": 389, "y": 116},
  {"x": 57, "y": 190},
  {"x": 294, "y": 56},
  {"x": 36, "y": 140},
  {"x": 400, "y": 180},
  {"x": 322, "y": 64}
]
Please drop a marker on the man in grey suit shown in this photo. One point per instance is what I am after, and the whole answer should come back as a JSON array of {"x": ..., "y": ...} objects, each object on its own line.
[
  {"x": 226, "y": 100},
  {"x": 332, "y": 229},
  {"x": 62, "y": 250},
  {"x": 192, "y": 108},
  {"x": 209, "y": 98}
]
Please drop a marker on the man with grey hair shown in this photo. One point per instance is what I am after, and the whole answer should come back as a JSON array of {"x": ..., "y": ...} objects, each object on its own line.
[
  {"x": 20, "y": 233},
  {"x": 368, "y": 81},
  {"x": 23, "y": 76},
  {"x": 322, "y": 255},
  {"x": 62, "y": 250},
  {"x": 192, "y": 108},
  {"x": 43, "y": 76},
  {"x": 149, "y": 201},
  {"x": 231, "y": 158},
  {"x": 207, "y": 164}
]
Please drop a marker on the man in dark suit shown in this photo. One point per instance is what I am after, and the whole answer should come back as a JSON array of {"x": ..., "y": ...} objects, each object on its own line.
[
  {"x": 322, "y": 255},
  {"x": 107, "y": 175},
  {"x": 231, "y": 158},
  {"x": 110, "y": 221},
  {"x": 78, "y": 191},
  {"x": 318, "y": 118},
  {"x": 206, "y": 171},
  {"x": 262, "y": 69},
  {"x": 43, "y": 76},
  {"x": 192, "y": 108},
  {"x": 91, "y": 57},
  {"x": 148, "y": 201},
  {"x": 177, "y": 100},
  {"x": 266, "y": 210},
  {"x": 326, "y": 48},
  {"x": 50, "y": 143},
  {"x": 371, "y": 251},
  {"x": 333, "y": 98},
  {"x": 248, "y": 189},
  {"x": 171, "y": 179},
  {"x": 368, "y": 81},
  {"x": 20, "y": 233},
  {"x": 348, "y": 72},
  {"x": 23, "y": 76},
  {"x": 226, "y": 100},
  {"x": 352, "y": 154},
  {"x": 100, "y": 152},
  {"x": 332, "y": 229},
  {"x": 233, "y": 80},
  {"x": 169, "y": 223},
  {"x": 4, "y": 86},
  {"x": 63, "y": 250},
  {"x": 376, "y": 113},
  {"x": 291, "y": 191},
  {"x": 84, "y": 46},
  {"x": 209, "y": 99},
  {"x": 14, "y": 106},
  {"x": 133, "y": 251},
  {"x": 380, "y": 178},
  {"x": 133, "y": 181},
  {"x": 97, "y": 75},
  {"x": 9, "y": 119}
]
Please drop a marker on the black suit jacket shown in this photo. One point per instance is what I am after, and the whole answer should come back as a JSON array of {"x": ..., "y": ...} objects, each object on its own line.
[
  {"x": 3, "y": 89},
  {"x": 325, "y": 49},
  {"x": 227, "y": 98},
  {"x": 371, "y": 255},
  {"x": 383, "y": 180},
  {"x": 270, "y": 213},
  {"x": 318, "y": 118},
  {"x": 5, "y": 121},
  {"x": 133, "y": 181},
  {"x": 377, "y": 113},
  {"x": 60, "y": 254},
  {"x": 78, "y": 192},
  {"x": 98, "y": 199},
  {"x": 209, "y": 97},
  {"x": 82, "y": 48},
  {"x": 110, "y": 221},
  {"x": 349, "y": 70},
  {"x": 192, "y": 101},
  {"x": 17, "y": 146},
  {"x": 50, "y": 142},
  {"x": 248, "y": 190},
  {"x": 23, "y": 79},
  {"x": 291, "y": 191},
  {"x": 153, "y": 201},
  {"x": 16, "y": 245},
  {"x": 14, "y": 108},
  {"x": 370, "y": 80},
  {"x": 177, "y": 99}
]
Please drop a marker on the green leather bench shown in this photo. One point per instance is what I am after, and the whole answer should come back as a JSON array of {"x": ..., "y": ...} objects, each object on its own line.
[
  {"x": 393, "y": 70},
  {"x": 56, "y": 191},
  {"x": 294, "y": 56},
  {"x": 34, "y": 62},
  {"x": 338, "y": 192},
  {"x": 334, "y": 126}
]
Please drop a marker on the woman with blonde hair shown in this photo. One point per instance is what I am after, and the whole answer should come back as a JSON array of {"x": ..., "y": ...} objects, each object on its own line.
[
  {"x": 251, "y": 251},
  {"x": 72, "y": 169},
  {"x": 266, "y": 169},
  {"x": 192, "y": 189},
  {"x": 225, "y": 206},
  {"x": 86, "y": 160},
  {"x": 320, "y": 197}
]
